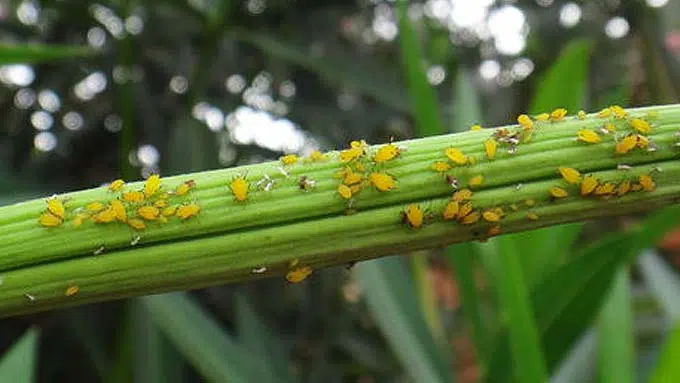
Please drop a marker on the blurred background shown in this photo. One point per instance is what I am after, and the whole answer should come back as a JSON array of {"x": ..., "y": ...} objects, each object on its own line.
[{"x": 178, "y": 86}]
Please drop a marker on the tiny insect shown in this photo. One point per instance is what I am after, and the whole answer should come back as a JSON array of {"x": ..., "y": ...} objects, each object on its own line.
[
  {"x": 588, "y": 136},
  {"x": 464, "y": 209},
  {"x": 48, "y": 219},
  {"x": 532, "y": 216},
  {"x": 441, "y": 167},
  {"x": 136, "y": 224},
  {"x": 530, "y": 202},
  {"x": 72, "y": 290},
  {"x": 450, "y": 211},
  {"x": 316, "y": 156},
  {"x": 647, "y": 182},
  {"x": 357, "y": 150},
  {"x": 116, "y": 185},
  {"x": 344, "y": 191},
  {"x": 79, "y": 219},
  {"x": 476, "y": 180},
  {"x": 462, "y": 195},
  {"x": 608, "y": 128},
  {"x": 56, "y": 207},
  {"x": 452, "y": 181},
  {"x": 618, "y": 111},
  {"x": 118, "y": 210},
  {"x": 413, "y": 216},
  {"x": 133, "y": 196},
  {"x": 626, "y": 144},
  {"x": 298, "y": 274},
  {"x": 161, "y": 203},
  {"x": 558, "y": 114},
  {"x": 588, "y": 185},
  {"x": 185, "y": 187},
  {"x": 640, "y": 125},
  {"x": 456, "y": 156},
  {"x": 288, "y": 159},
  {"x": 623, "y": 188},
  {"x": 570, "y": 175},
  {"x": 543, "y": 117},
  {"x": 105, "y": 216},
  {"x": 152, "y": 185},
  {"x": 525, "y": 121},
  {"x": 490, "y": 147},
  {"x": 475, "y": 128},
  {"x": 605, "y": 189},
  {"x": 471, "y": 218},
  {"x": 306, "y": 184},
  {"x": 382, "y": 181},
  {"x": 169, "y": 211},
  {"x": 187, "y": 211},
  {"x": 386, "y": 153},
  {"x": 491, "y": 216},
  {"x": 581, "y": 114},
  {"x": 95, "y": 207},
  {"x": 558, "y": 192},
  {"x": 239, "y": 188},
  {"x": 604, "y": 113},
  {"x": 352, "y": 178}
]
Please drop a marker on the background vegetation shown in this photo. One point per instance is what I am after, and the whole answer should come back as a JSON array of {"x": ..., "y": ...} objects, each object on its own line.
[{"x": 93, "y": 91}]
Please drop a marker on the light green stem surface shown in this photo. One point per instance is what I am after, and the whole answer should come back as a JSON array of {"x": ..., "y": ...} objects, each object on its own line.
[{"x": 235, "y": 241}]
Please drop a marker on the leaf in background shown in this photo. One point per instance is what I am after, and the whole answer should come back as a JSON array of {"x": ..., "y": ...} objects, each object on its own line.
[
  {"x": 390, "y": 295},
  {"x": 423, "y": 96},
  {"x": 667, "y": 367},
  {"x": 425, "y": 290},
  {"x": 567, "y": 300},
  {"x": 615, "y": 326},
  {"x": 256, "y": 337},
  {"x": 18, "y": 364},
  {"x": 578, "y": 366},
  {"x": 35, "y": 53},
  {"x": 466, "y": 108},
  {"x": 201, "y": 340}
]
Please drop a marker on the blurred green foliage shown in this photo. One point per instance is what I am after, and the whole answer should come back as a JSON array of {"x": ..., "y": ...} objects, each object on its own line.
[{"x": 93, "y": 91}]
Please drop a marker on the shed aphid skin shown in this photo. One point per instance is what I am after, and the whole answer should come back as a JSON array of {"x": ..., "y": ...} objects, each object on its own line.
[
  {"x": 647, "y": 182},
  {"x": 588, "y": 185},
  {"x": 452, "y": 181},
  {"x": 152, "y": 185},
  {"x": 56, "y": 207},
  {"x": 184, "y": 188},
  {"x": 450, "y": 211},
  {"x": 581, "y": 115},
  {"x": 344, "y": 191},
  {"x": 640, "y": 125},
  {"x": 239, "y": 188},
  {"x": 306, "y": 184},
  {"x": 519, "y": 186},
  {"x": 386, "y": 153},
  {"x": 265, "y": 183},
  {"x": 187, "y": 211},
  {"x": 477, "y": 180},
  {"x": 133, "y": 196},
  {"x": 440, "y": 167},
  {"x": 135, "y": 240},
  {"x": 588, "y": 136},
  {"x": 288, "y": 159},
  {"x": 116, "y": 185},
  {"x": 382, "y": 181},
  {"x": 48, "y": 219},
  {"x": 148, "y": 212},
  {"x": 558, "y": 114},
  {"x": 557, "y": 192},
  {"x": 623, "y": 167},
  {"x": 99, "y": 250},
  {"x": 626, "y": 144},
  {"x": 571, "y": 175},
  {"x": 456, "y": 156},
  {"x": 525, "y": 122},
  {"x": 490, "y": 147},
  {"x": 298, "y": 274},
  {"x": 29, "y": 297},
  {"x": 71, "y": 290},
  {"x": 413, "y": 215},
  {"x": 283, "y": 171},
  {"x": 259, "y": 270}
]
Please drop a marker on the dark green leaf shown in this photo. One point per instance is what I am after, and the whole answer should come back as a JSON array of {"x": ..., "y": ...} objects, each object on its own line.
[
  {"x": 35, "y": 53},
  {"x": 18, "y": 364}
]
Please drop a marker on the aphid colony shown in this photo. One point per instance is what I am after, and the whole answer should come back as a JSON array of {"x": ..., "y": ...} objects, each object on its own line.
[
  {"x": 134, "y": 208},
  {"x": 590, "y": 185}
]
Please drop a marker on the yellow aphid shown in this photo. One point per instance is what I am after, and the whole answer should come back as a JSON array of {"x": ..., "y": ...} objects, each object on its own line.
[
  {"x": 79, "y": 219},
  {"x": 239, "y": 188},
  {"x": 641, "y": 141},
  {"x": 185, "y": 187},
  {"x": 588, "y": 185},
  {"x": 543, "y": 117},
  {"x": 161, "y": 203},
  {"x": 456, "y": 156},
  {"x": 356, "y": 188},
  {"x": 450, "y": 211},
  {"x": 570, "y": 175},
  {"x": 56, "y": 207},
  {"x": 605, "y": 189},
  {"x": 635, "y": 187},
  {"x": 187, "y": 211},
  {"x": 464, "y": 209},
  {"x": 640, "y": 125},
  {"x": 618, "y": 111},
  {"x": 647, "y": 182},
  {"x": 490, "y": 147},
  {"x": 148, "y": 212},
  {"x": 133, "y": 196},
  {"x": 532, "y": 216},
  {"x": 581, "y": 115},
  {"x": 475, "y": 128},
  {"x": 589, "y": 136},
  {"x": 472, "y": 160},
  {"x": 359, "y": 167},
  {"x": 352, "y": 178},
  {"x": 316, "y": 156},
  {"x": 288, "y": 159},
  {"x": 558, "y": 192},
  {"x": 357, "y": 150},
  {"x": 514, "y": 207},
  {"x": 471, "y": 218},
  {"x": 344, "y": 191},
  {"x": 609, "y": 128},
  {"x": 525, "y": 121},
  {"x": 136, "y": 224},
  {"x": 72, "y": 290},
  {"x": 626, "y": 144},
  {"x": 604, "y": 113},
  {"x": 298, "y": 274},
  {"x": 105, "y": 216},
  {"x": 116, "y": 185},
  {"x": 382, "y": 181},
  {"x": 530, "y": 202},
  {"x": 476, "y": 180},
  {"x": 462, "y": 195},
  {"x": 386, "y": 153},
  {"x": 169, "y": 211},
  {"x": 95, "y": 207},
  {"x": 413, "y": 216},
  {"x": 623, "y": 188},
  {"x": 152, "y": 185},
  {"x": 441, "y": 167},
  {"x": 494, "y": 230},
  {"x": 118, "y": 210},
  {"x": 558, "y": 114},
  {"x": 491, "y": 216},
  {"x": 48, "y": 219}
]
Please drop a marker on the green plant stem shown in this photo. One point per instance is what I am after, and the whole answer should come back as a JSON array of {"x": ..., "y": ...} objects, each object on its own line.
[{"x": 230, "y": 239}]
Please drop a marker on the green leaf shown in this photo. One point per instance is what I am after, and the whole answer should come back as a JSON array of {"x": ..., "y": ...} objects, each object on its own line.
[
  {"x": 615, "y": 327},
  {"x": 259, "y": 341},
  {"x": 667, "y": 367},
  {"x": 426, "y": 295},
  {"x": 202, "y": 341},
  {"x": 423, "y": 97},
  {"x": 467, "y": 110},
  {"x": 578, "y": 366},
  {"x": 36, "y": 53},
  {"x": 18, "y": 365},
  {"x": 564, "y": 83},
  {"x": 390, "y": 294}
]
